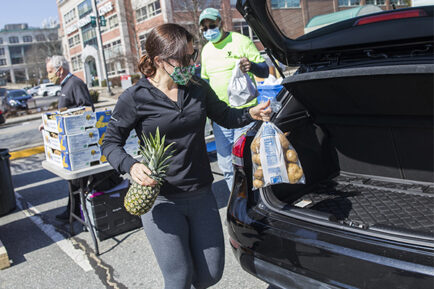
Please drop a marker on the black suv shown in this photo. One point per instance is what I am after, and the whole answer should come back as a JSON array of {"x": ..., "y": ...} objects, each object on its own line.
[{"x": 359, "y": 112}]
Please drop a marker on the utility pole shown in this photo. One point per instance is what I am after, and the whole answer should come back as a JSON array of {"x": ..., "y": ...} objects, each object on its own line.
[{"x": 100, "y": 44}]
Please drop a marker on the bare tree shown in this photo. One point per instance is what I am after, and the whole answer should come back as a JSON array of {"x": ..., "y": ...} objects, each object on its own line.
[
  {"x": 36, "y": 54},
  {"x": 188, "y": 11}
]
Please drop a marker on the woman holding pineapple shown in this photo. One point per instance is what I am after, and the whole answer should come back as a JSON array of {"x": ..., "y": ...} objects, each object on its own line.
[{"x": 183, "y": 226}]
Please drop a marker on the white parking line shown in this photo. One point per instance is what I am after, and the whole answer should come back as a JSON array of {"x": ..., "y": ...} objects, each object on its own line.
[
  {"x": 77, "y": 255},
  {"x": 36, "y": 184}
]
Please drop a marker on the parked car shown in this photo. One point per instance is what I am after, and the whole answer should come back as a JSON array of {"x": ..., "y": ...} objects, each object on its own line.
[
  {"x": 17, "y": 99},
  {"x": 359, "y": 112},
  {"x": 54, "y": 90},
  {"x": 46, "y": 87},
  {"x": 33, "y": 90}
]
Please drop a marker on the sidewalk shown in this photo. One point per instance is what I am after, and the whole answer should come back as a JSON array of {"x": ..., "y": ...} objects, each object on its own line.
[{"x": 104, "y": 101}]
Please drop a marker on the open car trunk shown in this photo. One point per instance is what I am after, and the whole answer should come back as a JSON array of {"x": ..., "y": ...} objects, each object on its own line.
[{"x": 364, "y": 137}]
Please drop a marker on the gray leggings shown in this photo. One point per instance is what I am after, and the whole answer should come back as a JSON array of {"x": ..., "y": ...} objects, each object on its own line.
[{"x": 186, "y": 235}]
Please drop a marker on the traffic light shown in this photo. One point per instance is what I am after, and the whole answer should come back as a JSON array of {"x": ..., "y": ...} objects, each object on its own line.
[
  {"x": 93, "y": 21},
  {"x": 102, "y": 21}
]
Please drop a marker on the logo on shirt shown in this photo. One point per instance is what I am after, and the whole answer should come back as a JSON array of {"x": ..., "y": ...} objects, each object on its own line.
[{"x": 229, "y": 54}]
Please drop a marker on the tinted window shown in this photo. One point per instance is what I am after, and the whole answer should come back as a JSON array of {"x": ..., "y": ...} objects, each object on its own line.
[
  {"x": 295, "y": 20},
  {"x": 17, "y": 93}
]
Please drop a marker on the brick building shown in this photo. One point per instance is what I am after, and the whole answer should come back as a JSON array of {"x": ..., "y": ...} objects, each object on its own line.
[
  {"x": 81, "y": 44},
  {"x": 130, "y": 21}
]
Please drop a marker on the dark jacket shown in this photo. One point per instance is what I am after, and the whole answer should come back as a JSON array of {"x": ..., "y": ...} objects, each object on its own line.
[
  {"x": 74, "y": 93},
  {"x": 143, "y": 107}
]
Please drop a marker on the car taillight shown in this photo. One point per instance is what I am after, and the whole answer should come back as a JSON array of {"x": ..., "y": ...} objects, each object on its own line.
[
  {"x": 391, "y": 16},
  {"x": 238, "y": 151}
]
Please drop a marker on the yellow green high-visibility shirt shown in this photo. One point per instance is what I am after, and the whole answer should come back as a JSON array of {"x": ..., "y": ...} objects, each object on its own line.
[{"x": 218, "y": 60}]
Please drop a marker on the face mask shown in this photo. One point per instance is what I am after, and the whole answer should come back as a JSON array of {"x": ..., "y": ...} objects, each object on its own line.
[
  {"x": 182, "y": 75},
  {"x": 53, "y": 77},
  {"x": 213, "y": 35}
]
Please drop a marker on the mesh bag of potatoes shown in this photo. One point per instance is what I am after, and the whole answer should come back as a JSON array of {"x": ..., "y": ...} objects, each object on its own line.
[{"x": 274, "y": 158}]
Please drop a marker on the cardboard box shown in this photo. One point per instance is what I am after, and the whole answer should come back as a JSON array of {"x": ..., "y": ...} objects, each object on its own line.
[
  {"x": 75, "y": 160},
  {"x": 107, "y": 213},
  {"x": 71, "y": 143},
  {"x": 132, "y": 138},
  {"x": 71, "y": 121}
]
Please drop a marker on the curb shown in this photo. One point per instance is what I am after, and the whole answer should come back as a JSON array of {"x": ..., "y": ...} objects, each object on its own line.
[{"x": 26, "y": 152}]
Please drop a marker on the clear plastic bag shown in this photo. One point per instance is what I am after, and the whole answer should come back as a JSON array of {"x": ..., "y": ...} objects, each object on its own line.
[{"x": 274, "y": 158}]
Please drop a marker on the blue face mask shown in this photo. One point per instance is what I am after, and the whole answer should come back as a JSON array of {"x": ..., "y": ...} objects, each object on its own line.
[{"x": 212, "y": 35}]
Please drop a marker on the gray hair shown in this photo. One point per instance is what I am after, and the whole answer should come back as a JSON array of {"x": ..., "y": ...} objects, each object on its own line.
[{"x": 58, "y": 61}]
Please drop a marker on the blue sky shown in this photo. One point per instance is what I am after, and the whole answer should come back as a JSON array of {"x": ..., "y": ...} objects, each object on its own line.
[{"x": 32, "y": 12}]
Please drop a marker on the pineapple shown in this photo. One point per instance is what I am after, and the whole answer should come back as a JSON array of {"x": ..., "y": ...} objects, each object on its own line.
[{"x": 139, "y": 199}]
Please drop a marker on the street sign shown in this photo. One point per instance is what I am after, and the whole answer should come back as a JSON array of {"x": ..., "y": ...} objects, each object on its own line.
[
  {"x": 102, "y": 21},
  {"x": 93, "y": 21}
]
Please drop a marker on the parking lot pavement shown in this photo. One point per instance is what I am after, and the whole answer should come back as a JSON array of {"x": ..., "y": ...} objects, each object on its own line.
[{"x": 44, "y": 257}]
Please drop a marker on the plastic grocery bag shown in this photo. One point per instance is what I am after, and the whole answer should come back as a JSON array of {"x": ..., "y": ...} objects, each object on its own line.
[
  {"x": 274, "y": 158},
  {"x": 241, "y": 89}
]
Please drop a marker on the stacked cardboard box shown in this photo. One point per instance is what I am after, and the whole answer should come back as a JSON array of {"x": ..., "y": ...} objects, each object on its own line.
[{"x": 73, "y": 138}]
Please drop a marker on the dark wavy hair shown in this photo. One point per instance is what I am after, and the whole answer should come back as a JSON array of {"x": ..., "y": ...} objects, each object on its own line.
[{"x": 169, "y": 41}]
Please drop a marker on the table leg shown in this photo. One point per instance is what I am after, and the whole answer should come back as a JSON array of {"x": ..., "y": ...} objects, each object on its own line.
[
  {"x": 71, "y": 208},
  {"x": 86, "y": 215}
]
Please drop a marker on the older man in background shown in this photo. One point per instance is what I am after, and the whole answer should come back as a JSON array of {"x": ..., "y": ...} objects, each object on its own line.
[{"x": 73, "y": 93}]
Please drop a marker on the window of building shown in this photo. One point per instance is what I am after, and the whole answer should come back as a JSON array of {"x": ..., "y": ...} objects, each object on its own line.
[
  {"x": 17, "y": 60},
  {"x": 27, "y": 38},
  {"x": 14, "y": 39},
  {"x": 116, "y": 67},
  {"x": 349, "y": 2},
  {"x": 52, "y": 36},
  {"x": 88, "y": 34},
  {"x": 1, "y": 40},
  {"x": 74, "y": 40},
  {"x": 113, "y": 49},
  {"x": 243, "y": 28},
  {"x": 278, "y": 4},
  {"x": 2, "y": 51},
  {"x": 399, "y": 2},
  {"x": 149, "y": 10},
  {"x": 84, "y": 8},
  {"x": 76, "y": 62},
  {"x": 376, "y": 2},
  {"x": 2, "y": 62},
  {"x": 70, "y": 16},
  {"x": 40, "y": 37},
  {"x": 113, "y": 21}
]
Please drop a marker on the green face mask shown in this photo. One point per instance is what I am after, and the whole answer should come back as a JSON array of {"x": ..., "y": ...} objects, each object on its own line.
[{"x": 181, "y": 75}]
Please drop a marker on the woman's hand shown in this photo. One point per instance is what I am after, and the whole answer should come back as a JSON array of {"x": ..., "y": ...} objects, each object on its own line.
[
  {"x": 261, "y": 112},
  {"x": 140, "y": 174}
]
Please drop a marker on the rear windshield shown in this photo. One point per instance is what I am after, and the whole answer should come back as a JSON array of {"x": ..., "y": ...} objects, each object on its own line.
[{"x": 296, "y": 17}]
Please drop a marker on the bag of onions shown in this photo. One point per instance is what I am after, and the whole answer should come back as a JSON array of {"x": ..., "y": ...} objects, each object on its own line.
[{"x": 274, "y": 158}]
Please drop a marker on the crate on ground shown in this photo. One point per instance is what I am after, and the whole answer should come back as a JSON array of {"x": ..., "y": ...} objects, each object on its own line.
[
  {"x": 71, "y": 121},
  {"x": 107, "y": 213},
  {"x": 268, "y": 92},
  {"x": 71, "y": 143},
  {"x": 75, "y": 160}
]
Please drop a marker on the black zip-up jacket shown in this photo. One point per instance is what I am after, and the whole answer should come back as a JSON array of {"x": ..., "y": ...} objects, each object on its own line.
[
  {"x": 144, "y": 107},
  {"x": 74, "y": 93}
]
